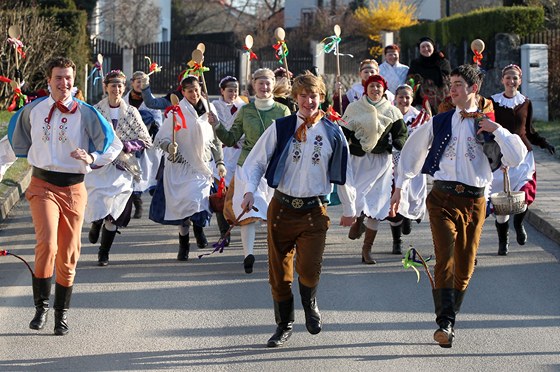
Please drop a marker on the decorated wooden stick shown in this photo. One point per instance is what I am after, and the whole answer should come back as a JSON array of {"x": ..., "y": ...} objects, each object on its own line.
[
  {"x": 220, "y": 245},
  {"x": 250, "y": 55},
  {"x": 98, "y": 66},
  {"x": 198, "y": 69},
  {"x": 477, "y": 46},
  {"x": 154, "y": 67},
  {"x": 174, "y": 102},
  {"x": 281, "y": 48},
  {"x": 14, "y": 33},
  {"x": 337, "y": 32},
  {"x": 413, "y": 259}
]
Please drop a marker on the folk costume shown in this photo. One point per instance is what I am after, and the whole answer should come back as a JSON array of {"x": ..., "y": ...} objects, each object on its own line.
[
  {"x": 182, "y": 192},
  {"x": 413, "y": 199},
  {"x": 110, "y": 187},
  {"x": 448, "y": 148},
  {"x": 149, "y": 158},
  {"x": 297, "y": 214},
  {"x": 394, "y": 74},
  {"x": 432, "y": 73},
  {"x": 516, "y": 115},
  {"x": 47, "y": 132},
  {"x": 251, "y": 121},
  {"x": 373, "y": 130}
]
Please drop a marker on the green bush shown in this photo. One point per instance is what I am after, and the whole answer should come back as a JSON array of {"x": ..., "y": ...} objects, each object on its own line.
[{"x": 483, "y": 24}]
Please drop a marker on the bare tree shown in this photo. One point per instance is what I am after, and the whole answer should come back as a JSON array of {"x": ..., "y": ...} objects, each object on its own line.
[
  {"x": 42, "y": 40},
  {"x": 130, "y": 23}
]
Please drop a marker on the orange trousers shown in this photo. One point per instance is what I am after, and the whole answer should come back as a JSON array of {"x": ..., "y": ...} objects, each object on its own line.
[
  {"x": 456, "y": 224},
  {"x": 58, "y": 216},
  {"x": 299, "y": 232}
]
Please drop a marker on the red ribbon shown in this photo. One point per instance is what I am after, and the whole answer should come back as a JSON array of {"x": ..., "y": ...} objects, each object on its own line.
[
  {"x": 252, "y": 55},
  {"x": 334, "y": 116},
  {"x": 222, "y": 187},
  {"x": 175, "y": 109},
  {"x": 477, "y": 57},
  {"x": 153, "y": 67}
]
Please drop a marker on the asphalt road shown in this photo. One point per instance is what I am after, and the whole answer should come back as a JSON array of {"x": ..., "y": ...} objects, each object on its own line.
[{"x": 147, "y": 311}]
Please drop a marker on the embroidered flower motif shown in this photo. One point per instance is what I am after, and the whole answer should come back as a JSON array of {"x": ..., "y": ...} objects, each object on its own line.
[
  {"x": 451, "y": 150},
  {"x": 296, "y": 150},
  {"x": 471, "y": 148},
  {"x": 317, "y": 147},
  {"x": 460, "y": 189},
  {"x": 62, "y": 129}
]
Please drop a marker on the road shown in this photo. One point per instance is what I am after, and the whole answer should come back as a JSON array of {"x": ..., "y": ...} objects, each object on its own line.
[{"x": 147, "y": 311}]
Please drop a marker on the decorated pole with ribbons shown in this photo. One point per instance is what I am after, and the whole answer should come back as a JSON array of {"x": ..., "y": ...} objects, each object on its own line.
[
  {"x": 196, "y": 67},
  {"x": 98, "y": 66},
  {"x": 250, "y": 55},
  {"x": 337, "y": 32},
  {"x": 281, "y": 48},
  {"x": 153, "y": 66},
  {"x": 220, "y": 245},
  {"x": 14, "y": 33},
  {"x": 175, "y": 110},
  {"x": 477, "y": 46},
  {"x": 413, "y": 259}
]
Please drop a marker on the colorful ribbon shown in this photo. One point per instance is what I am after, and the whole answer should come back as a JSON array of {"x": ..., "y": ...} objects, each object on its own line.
[
  {"x": 249, "y": 51},
  {"x": 413, "y": 259},
  {"x": 176, "y": 110},
  {"x": 281, "y": 51},
  {"x": 96, "y": 67},
  {"x": 334, "y": 116},
  {"x": 16, "y": 43},
  {"x": 332, "y": 46},
  {"x": 8, "y": 253},
  {"x": 154, "y": 67},
  {"x": 195, "y": 69},
  {"x": 477, "y": 57},
  {"x": 18, "y": 100}
]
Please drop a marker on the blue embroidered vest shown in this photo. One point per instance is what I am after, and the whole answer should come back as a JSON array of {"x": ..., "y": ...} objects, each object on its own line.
[{"x": 285, "y": 129}]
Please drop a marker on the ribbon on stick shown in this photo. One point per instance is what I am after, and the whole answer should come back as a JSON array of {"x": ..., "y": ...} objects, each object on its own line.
[
  {"x": 154, "y": 67},
  {"x": 413, "y": 259},
  {"x": 4, "y": 252}
]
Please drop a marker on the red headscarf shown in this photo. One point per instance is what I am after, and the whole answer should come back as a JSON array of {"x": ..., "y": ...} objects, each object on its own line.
[{"x": 377, "y": 79}]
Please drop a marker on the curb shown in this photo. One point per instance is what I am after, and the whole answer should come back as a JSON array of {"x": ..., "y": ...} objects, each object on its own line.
[
  {"x": 550, "y": 228},
  {"x": 13, "y": 195}
]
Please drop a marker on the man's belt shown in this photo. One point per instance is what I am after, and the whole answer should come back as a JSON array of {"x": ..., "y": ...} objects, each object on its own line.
[
  {"x": 58, "y": 178},
  {"x": 300, "y": 203},
  {"x": 459, "y": 189}
]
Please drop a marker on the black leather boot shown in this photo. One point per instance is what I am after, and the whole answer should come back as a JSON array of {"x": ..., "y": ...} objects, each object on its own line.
[
  {"x": 223, "y": 225},
  {"x": 503, "y": 237},
  {"x": 137, "y": 202},
  {"x": 444, "y": 303},
  {"x": 459, "y": 295},
  {"x": 184, "y": 248},
  {"x": 309, "y": 302},
  {"x": 41, "y": 295},
  {"x": 201, "y": 241},
  {"x": 94, "y": 231},
  {"x": 61, "y": 305},
  {"x": 521, "y": 234},
  {"x": 107, "y": 238},
  {"x": 396, "y": 231},
  {"x": 284, "y": 315},
  {"x": 406, "y": 226}
]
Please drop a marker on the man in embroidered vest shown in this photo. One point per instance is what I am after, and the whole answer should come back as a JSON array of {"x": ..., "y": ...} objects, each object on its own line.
[
  {"x": 449, "y": 147},
  {"x": 301, "y": 164},
  {"x": 61, "y": 138}
]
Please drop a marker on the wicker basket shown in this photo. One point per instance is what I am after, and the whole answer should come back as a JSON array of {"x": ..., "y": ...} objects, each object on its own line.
[{"x": 508, "y": 202}]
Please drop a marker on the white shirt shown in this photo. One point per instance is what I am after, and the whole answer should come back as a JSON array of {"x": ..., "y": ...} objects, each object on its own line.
[
  {"x": 306, "y": 168},
  {"x": 53, "y": 142},
  {"x": 395, "y": 75},
  {"x": 463, "y": 159}
]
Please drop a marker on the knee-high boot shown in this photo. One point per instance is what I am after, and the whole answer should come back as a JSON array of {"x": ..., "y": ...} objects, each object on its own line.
[
  {"x": 444, "y": 303},
  {"x": 309, "y": 302},
  {"x": 61, "y": 305},
  {"x": 366, "y": 248},
  {"x": 521, "y": 234},
  {"x": 137, "y": 201},
  {"x": 396, "y": 231},
  {"x": 200, "y": 237},
  {"x": 41, "y": 295},
  {"x": 223, "y": 225},
  {"x": 95, "y": 229},
  {"x": 184, "y": 247},
  {"x": 357, "y": 228},
  {"x": 503, "y": 237},
  {"x": 107, "y": 238},
  {"x": 284, "y": 315}
]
